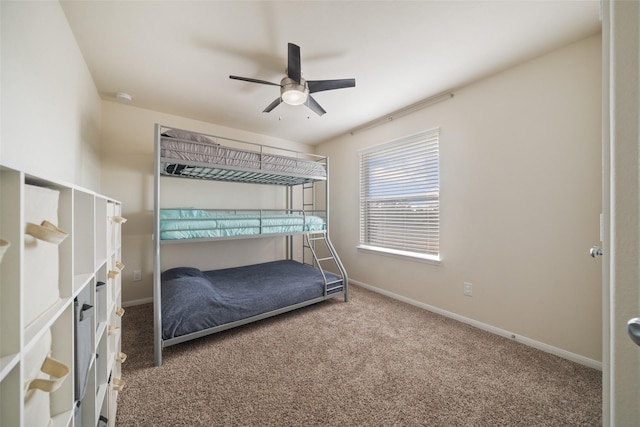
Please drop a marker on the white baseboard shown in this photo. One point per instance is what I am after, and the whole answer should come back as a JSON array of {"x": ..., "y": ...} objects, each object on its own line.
[
  {"x": 137, "y": 302},
  {"x": 501, "y": 332}
]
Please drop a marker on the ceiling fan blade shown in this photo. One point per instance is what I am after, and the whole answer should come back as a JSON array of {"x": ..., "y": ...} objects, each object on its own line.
[
  {"x": 273, "y": 105},
  {"x": 314, "y": 106},
  {"x": 247, "y": 79},
  {"x": 294, "y": 68},
  {"x": 320, "y": 85}
]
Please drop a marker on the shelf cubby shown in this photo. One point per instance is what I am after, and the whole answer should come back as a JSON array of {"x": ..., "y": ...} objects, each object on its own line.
[
  {"x": 83, "y": 237},
  {"x": 10, "y": 397},
  {"x": 10, "y": 269},
  {"x": 101, "y": 219}
]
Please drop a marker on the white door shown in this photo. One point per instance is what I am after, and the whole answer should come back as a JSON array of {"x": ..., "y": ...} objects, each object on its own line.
[{"x": 621, "y": 205}]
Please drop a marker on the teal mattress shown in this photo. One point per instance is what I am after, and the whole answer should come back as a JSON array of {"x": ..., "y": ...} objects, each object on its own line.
[{"x": 176, "y": 224}]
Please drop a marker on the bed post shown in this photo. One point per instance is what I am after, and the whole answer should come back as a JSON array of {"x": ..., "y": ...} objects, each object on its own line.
[
  {"x": 157, "y": 293},
  {"x": 326, "y": 191},
  {"x": 289, "y": 238},
  {"x": 334, "y": 253}
]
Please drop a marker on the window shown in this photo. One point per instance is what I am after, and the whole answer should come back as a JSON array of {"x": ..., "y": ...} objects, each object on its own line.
[{"x": 400, "y": 196}]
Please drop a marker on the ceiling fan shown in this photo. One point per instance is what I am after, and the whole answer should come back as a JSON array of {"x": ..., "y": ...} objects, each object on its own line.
[{"x": 294, "y": 90}]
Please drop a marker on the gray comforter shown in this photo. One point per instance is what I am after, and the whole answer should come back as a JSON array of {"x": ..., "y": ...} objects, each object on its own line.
[{"x": 194, "y": 300}]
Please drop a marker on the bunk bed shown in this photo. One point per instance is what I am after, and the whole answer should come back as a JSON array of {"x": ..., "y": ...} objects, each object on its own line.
[{"x": 190, "y": 303}]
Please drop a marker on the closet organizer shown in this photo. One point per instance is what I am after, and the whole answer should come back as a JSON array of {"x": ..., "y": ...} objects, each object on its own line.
[{"x": 60, "y": 264}]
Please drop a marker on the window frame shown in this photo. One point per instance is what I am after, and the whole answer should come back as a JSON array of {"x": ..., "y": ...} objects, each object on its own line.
[{"x": 427, "y": 145}]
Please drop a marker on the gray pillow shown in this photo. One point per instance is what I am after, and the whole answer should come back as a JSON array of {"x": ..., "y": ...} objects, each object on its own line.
[{"x": 189, "y": 136}]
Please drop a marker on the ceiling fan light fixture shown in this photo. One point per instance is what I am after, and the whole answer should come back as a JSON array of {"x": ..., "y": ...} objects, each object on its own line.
[
  {"x": 293, "y": 93},
  {"x": 294, "y": 97},
  {"x": 294, "y": 90}
]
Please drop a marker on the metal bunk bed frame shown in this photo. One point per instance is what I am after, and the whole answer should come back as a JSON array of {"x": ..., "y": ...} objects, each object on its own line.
[{"x": 310, "y": 252}]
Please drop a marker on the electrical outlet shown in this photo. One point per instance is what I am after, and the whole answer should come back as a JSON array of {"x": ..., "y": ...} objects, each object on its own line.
[
  {"x": 137, "y": 275},
  {"x": 467, "y": 289}
]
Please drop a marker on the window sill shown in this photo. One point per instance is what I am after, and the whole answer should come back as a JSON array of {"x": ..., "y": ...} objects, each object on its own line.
[{"x": 429, "y": 259}]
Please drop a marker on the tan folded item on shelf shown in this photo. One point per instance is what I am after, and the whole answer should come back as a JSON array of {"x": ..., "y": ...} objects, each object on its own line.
[
  {"x": 119, "y": 265},
  {"x": 112, "y": 274},
  {"x": 121, "y": 358},
  {"x": 4, "y": 245},
  {"x": 119, "y": 311},
  {"x": 117, "y": 384},
  {"x": 57, "y": 370},
  {"x": 119, "y": 219},
  {"x": 113, "y": 329},
  {"x": 46, "y": 232}
]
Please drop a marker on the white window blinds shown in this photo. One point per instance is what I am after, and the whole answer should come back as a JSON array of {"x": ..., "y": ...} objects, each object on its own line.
[{"x": 399, "y": 195}]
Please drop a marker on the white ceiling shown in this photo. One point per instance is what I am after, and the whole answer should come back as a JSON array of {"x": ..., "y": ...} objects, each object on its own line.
[{"x": 176, "y": 56}]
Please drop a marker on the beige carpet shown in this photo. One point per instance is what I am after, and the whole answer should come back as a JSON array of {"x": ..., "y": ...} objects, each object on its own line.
[{"x": 372, "y": 361}]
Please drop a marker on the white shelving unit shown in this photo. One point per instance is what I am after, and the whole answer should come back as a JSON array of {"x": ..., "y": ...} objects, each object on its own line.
[{"x": 88, "y": 262}]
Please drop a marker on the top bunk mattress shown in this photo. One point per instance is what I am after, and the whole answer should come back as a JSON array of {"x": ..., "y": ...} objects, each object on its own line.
[{"x": 192, "y": 155}]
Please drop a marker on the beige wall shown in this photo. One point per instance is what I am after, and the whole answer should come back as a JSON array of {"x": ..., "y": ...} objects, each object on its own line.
[
  {"x": 520, "y": 202},
  {"x": 50, "y": 111},
  {"x": 127, "y": 174}
]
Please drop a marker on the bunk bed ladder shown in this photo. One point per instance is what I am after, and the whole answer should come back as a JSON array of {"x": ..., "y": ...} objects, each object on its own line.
[
  {"x": 309, "y": 206},
  {"x": 333, "y": 285}
]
